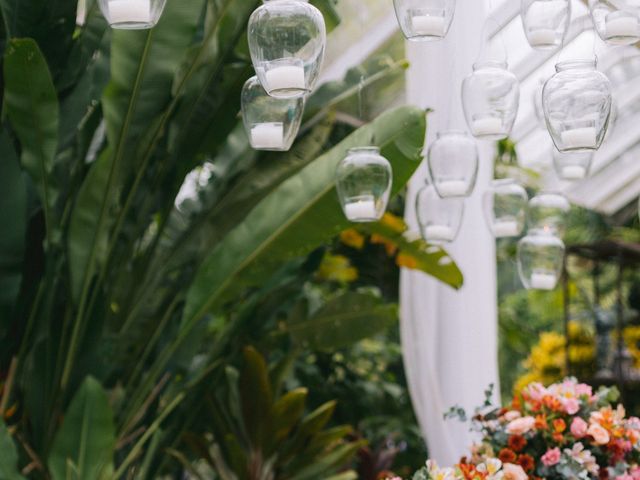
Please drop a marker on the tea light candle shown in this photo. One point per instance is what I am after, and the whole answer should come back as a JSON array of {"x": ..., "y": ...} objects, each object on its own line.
[
  {"x": 541, "y": 37},
  {"x": 580, "y": 138},
  {"x": 361, "y": 210},
  {"x": 268, "y": 136},
  {"x": 130, "y": 11},
  {"x": 621, "y": 26},
  {"x": 506, "y": 228},
  {"x": 485, "y": 126},
  {"x": 429, "y": 25},
  {"x": 286, "y": 77},
  {"x": 452, "y": 188},
  {"x": 442, "y": 233},
  {"x": 574, "y": 172},
  {"x": 543, "y": 280}
]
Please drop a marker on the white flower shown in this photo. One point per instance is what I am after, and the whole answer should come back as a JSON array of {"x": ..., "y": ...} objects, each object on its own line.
[{"x": 583, "y": 457}]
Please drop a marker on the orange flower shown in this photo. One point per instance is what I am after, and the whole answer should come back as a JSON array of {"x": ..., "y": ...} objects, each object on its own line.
[
  {"x": 559, "y": 425},
  {"x": 352, "y": 238},
  {"x": 526, "y": 462},
  {"x": 517, "y": 443},
  {"x": 394, "y": 223},
  {"x": 389, "y": 247},
  {"x": 541, "y": 422},
  {"x": 507, "y": 456},
  {"x": 406, "y": 261},
  {"x": 558, "y": 438}
]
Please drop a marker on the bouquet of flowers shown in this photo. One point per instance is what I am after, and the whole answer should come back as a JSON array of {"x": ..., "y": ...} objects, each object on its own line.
[{"x": 561, "y": 431}]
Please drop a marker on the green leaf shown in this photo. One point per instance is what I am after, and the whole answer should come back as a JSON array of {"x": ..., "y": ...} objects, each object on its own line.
[
  {"x": 32, "y": 107},
  {"x": 344, "y": 321},
  {"x": 288, "y": 411},
  {"x": 301, "y": 213},
  {"x": 87, "y": 438},
  {"x": 8, "y": 456},
  {"x": 256, "y": 398}
]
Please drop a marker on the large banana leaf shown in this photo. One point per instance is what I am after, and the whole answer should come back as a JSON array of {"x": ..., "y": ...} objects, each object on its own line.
[
  {"x": 8, "y": 456},
  {"x": 302, "y": 212}
]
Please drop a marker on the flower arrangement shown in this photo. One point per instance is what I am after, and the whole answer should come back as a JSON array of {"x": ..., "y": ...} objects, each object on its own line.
[{"x": 561, "y": 431}]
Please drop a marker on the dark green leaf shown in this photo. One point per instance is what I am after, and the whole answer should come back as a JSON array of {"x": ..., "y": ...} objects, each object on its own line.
[{"x": 8, "y": 456}]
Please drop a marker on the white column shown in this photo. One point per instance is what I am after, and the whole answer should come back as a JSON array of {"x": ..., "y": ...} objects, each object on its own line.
[{"x": 449, "y": 338}]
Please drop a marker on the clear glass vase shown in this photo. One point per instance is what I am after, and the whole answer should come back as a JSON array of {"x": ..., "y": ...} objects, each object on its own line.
[
  {"x": 546, "y": 22},
  {"x": 490, "y": 98},
  {"x": 439, "y": 218},
  {"x": 548, "y": 212},
  {"x": 540, "y": 260},
  {"x": 505, "y": 208},
  {"x": 572, "y": 166},
  {"x": 453, "y": 164},
  {"x": 132, "y": 14},
  {"x": 363, "y": 181},
  {"x": 577, "y": 106},
  {"x": 271, "y": 123},
  {"x": 425, "y": 20},
  {"x": 616, "y": 21},
  {"x": 287, "y": 40}
]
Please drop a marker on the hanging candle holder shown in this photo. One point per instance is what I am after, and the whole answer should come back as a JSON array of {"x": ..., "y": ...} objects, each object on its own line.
[
  {"x": 271, "y": 123},
  {"x": 577, "y": 106},
  {"x": 453, "y": 164},
  {"x": 505, "y": 208},
  {"x": 546, "y": 22},
  {"x": 616, "y": 21},
  {"x": 540, "y": 259},
  {"x": 287, "y": 40},
  {"x": 490, "y": 98},
  {"x": 537, "y": 104},
  {"x": 572, "y": 166},
  {"x": 363, "y": 181},
  {"x": 425, "y": 20},
  {"x": 548, "y": 212},
  {"x": 132, "y": 14},
  {"x": 439, "y": 218}
]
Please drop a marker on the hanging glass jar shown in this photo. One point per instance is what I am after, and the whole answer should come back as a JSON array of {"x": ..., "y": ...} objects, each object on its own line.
[
  {"x": 505, "y": 208},
  {"x": 537, "y": 104},
  {"x": 439, "y": 218},
  {"x": 132, "y": 14},
  {"x": 363, "y": 181},
  {"x": 425, "y": 20},
  {"x": 573, "y": 165},
  {"x": 540, "y": 259},
  {"x": 271, "y": 123},
  {"x": 616, "y": 21},
  {"x": 490, "y": 98},
  {"x": 453, "y": 164},
  {"x": 548, "y": 212},
  {"x": 577, "y": 106},
  {"x": 546, "y": 22},
  {"x": 287, "y": 39}
]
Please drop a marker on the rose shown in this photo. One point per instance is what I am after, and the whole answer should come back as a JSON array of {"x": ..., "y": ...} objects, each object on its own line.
[
  {"x": 579, "y": 428},
  {"x": 599, "y": 434},
  {"x": 552, "y": 457},
  {"x": 513, "y": 472},
  {"x": 520, "y": 426},
  {"x": 571, "y": 406}
]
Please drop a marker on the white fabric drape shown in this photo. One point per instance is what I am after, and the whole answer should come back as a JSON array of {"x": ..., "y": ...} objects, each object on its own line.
[{"x": 449, "y": 338}]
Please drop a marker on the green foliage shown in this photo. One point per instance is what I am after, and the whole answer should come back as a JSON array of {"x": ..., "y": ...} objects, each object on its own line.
[{"x": 8, "y": 456}]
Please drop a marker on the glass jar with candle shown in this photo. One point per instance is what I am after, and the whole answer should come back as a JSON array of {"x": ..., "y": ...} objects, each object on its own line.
[
  {"x": 287, "y": 40},
  {"x": 505, "y": 208},
  {"x": 425, "y": 20},
  {"x": 548, "y": 212},
  {"x": 453, "y": 164},
  {"x": 572, "y": 166},
  {"x": 132, "y": 14},
  {"x": 577, "y": 106},
  {"x": 363, "y": 181},
  {"x": 490, "y": 98},
  {"x": 540, "y": 259},
  {"x": 439, "y": 218},
  {"x": 271, "y": 123},
  {"x": 546, "y": 22},
  {"x": 616, "y": 21}
]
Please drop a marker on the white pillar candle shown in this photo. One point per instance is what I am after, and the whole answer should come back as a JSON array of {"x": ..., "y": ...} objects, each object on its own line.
[
  {"x": 621, "y": 26},
  {"x": 585, "y": 137},
  {"x": 543, "y": 280},
  {"x": 443, "y": 233},
  {"x": 429, "y": 25},
  {"x": 286, "y": 77},
  {"x": 506, "y": 228},
  {"x": 574, "y": 172},
  {"x": 364, "y": 209},
  {"x": 268, "y": 136},
  {"x": 130, "y": 11},
  {"x": 540, "y": 37},
  {"x": 485, "y": 126},
  {"x": 452, "y": 188}
]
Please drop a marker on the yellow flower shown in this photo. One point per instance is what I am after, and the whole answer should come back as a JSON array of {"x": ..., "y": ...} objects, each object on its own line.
[
  {"x": 406, "y": 261},
  {"x": 337, "y": 268},
  {"x": 352, "y": 238},
  {"x": 389, "y": 246},
  {"x": 394, "y": 222}
]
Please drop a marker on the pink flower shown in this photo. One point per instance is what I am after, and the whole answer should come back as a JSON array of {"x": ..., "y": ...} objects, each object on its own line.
[
  {"x": 513, "y": 472},
  {"x": 512, "y": 415},
  {"x": 626, "y": 476},
  {"x": 579, "y": 428},
  {"x": 635, "y": 473},
  {"x": 551, "y": 458},
  {"x": 520, "y": 426},
  {"x": 599, "y": 434},
  {"x": 571, "y": 405}
]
